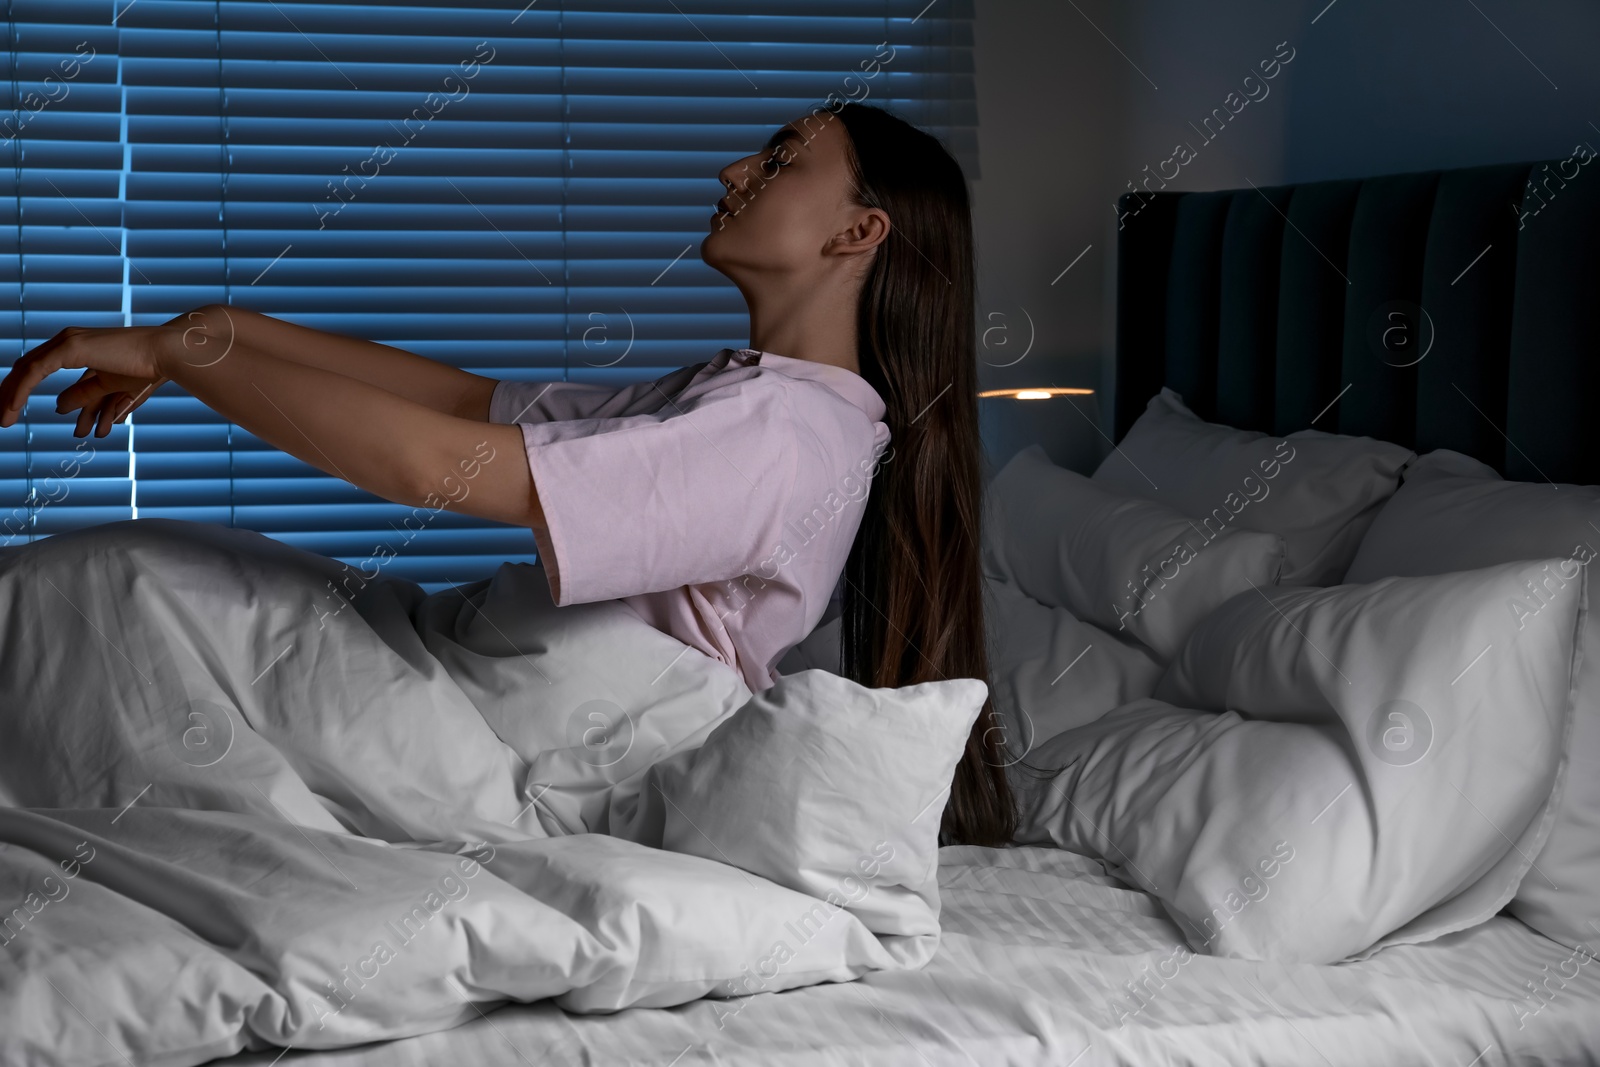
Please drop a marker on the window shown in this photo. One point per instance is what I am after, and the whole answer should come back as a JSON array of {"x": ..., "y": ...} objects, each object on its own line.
[{"x": 518, "y": 190}]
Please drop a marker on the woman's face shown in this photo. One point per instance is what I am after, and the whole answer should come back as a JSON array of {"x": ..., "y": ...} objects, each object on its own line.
[{"x": 787, "y": 206}]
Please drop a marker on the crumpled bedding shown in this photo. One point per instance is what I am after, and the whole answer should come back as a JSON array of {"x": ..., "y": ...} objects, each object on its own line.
[
  {"x": 1325, "y": 772},
  {"x": 245, "y": 805}
]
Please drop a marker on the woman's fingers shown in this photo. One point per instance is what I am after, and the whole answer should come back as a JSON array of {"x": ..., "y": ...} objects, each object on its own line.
[
  {"x": 83, "y": 393},
  {"x": 86, "y": 419},
  {"x": 110, "y": 407},
  {"x": 26, "y": 374},
  {"x": 89, "y": 417},
  {"x": 8, "y": 389},
  {"x": 103, "y": 399},
  {"x": 123, "y": 355},
  {"x": 103, "y": 415}
]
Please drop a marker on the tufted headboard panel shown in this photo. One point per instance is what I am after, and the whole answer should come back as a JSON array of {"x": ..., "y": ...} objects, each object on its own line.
[{"x": 1445, "y": 309}]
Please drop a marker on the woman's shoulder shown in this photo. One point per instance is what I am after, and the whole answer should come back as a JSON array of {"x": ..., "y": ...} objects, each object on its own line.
[
  {"x": 829, "y": 417},
  {"x": 846, "y": 443}
]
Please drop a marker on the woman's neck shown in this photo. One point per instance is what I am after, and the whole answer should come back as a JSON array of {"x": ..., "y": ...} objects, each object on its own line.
[{"x": 819, "y": 331}]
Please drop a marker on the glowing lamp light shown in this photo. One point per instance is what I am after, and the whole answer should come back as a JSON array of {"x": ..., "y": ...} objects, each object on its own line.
[
  {"x": 1007, "y": 427},
  {"x": 1037, "y": 393}
]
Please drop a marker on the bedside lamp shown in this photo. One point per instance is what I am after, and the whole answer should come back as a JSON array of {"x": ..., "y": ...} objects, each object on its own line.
[{"x": 1008, "y": 423}]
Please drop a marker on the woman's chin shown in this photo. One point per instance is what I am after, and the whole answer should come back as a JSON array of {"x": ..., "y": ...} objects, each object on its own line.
[{"x": 707, "y": 244}]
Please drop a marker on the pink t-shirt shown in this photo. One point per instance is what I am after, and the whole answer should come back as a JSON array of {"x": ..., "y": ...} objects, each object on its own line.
[{"x": 719, "y": 501}]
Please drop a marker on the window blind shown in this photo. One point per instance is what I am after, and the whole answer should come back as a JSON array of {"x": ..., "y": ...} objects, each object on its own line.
[
  {"x": 62, "y": 254},
  {"x": 517, "y": 189}
]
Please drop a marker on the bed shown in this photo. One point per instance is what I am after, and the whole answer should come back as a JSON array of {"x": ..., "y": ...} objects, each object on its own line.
[
  {"x": 1046, "y": 960},
  {"x": 1272, "y": 310}
]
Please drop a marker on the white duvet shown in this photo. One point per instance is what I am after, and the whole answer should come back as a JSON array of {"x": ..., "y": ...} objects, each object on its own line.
[{"x": 239, "y": 807}]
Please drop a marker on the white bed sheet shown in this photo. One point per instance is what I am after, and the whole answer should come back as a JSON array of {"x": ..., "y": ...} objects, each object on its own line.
[{"x": 1041, "y": 955}]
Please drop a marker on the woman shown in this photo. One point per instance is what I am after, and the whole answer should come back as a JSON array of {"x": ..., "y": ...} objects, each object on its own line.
[{"x": 849, "y": 235}]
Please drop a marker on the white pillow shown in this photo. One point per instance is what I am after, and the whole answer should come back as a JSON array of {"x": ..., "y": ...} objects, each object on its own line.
[
  {"x": 1442, "y": 462},
  {"x": 1337, "y": 790},
  {"x": 825, "y": 787},
  {"x": 590, "y": 695},
  {"x": 1051, "y": 672},
  {"x": 1127, "y": 564},
  {"x": 1454, "y": 513},
  {"x": 1319, "y": 490},
  {"x": 1048, "y": 671}
]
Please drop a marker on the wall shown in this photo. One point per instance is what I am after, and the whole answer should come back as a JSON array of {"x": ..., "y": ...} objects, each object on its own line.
[
  {"x": 1443, "y": 83},
  {"x": 1077, "y": 100},
  {"x": 1051, "y": 104}
]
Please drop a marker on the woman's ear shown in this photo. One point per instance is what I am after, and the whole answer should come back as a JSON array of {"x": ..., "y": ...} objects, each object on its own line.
[{"x": 867, "y": 231}]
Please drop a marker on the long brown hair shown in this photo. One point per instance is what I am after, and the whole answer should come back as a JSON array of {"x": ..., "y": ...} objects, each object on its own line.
[{"x": 913, "y": 602}]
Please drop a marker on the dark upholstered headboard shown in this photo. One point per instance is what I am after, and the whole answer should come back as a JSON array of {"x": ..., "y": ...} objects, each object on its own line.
[{"x": 1260, "y": 306}]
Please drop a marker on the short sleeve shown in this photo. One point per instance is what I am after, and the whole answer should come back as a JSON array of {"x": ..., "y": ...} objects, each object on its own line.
[{"x": 696, "y": 492}]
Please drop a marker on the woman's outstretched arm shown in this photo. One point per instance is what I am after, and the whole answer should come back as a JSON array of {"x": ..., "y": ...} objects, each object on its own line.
[
  {"x": 426, "y": 381},
  {"x": 104, "y": 399},
  {"x": 392, "y": 446}
]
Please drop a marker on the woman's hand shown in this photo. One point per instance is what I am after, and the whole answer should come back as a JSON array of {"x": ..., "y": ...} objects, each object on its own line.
[
  {"x": 105, "y": 399},
  {"x": 121, "y": 362}
]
